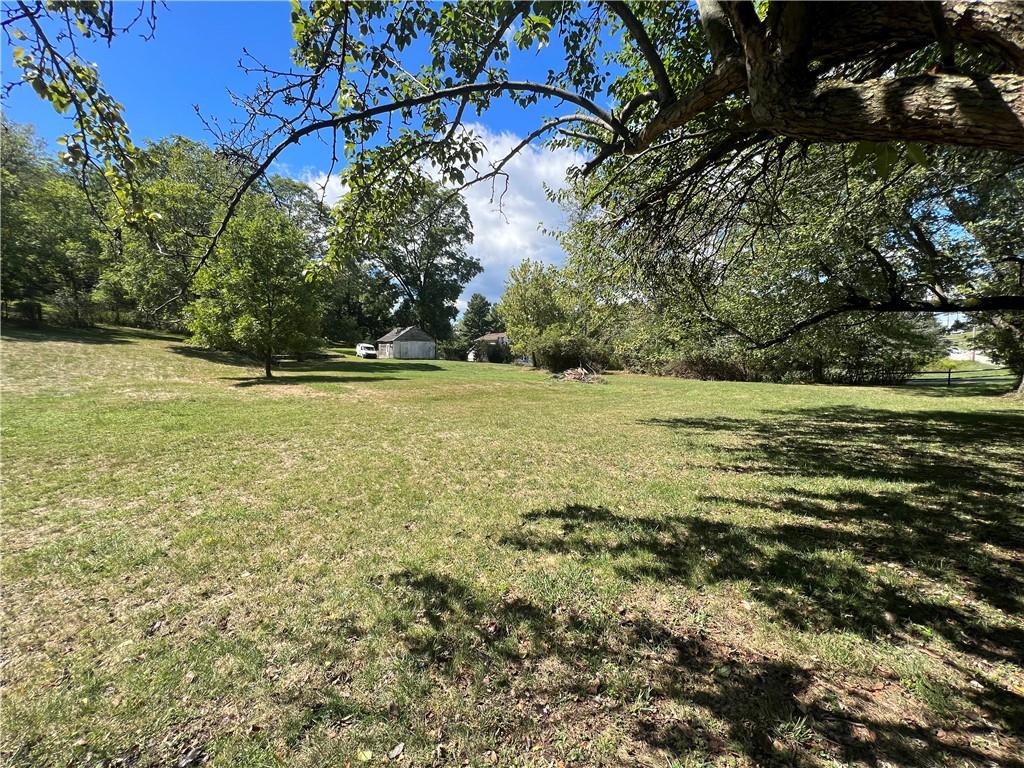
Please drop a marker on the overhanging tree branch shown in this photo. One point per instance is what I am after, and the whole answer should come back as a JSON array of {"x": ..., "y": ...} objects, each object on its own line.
[{"x": 643, "y": 42}]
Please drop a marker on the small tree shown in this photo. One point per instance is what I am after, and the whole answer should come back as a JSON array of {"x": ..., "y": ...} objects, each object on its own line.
[
  {"x": 253, "y": 295},
  {"x": 548, "y": 317},
  {"x": 475, "y": 320},
  {"x": 530, "y": 306}
]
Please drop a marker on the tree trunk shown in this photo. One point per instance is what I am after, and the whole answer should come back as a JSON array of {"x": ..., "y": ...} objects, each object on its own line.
[
  {"x": 266, "y": 365},
  {"x": 818, "y": 370},
  {"x": 969, "y": 110}
]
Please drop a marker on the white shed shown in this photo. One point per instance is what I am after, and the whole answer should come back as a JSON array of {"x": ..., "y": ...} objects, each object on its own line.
[{"x": 407, "y": 344}]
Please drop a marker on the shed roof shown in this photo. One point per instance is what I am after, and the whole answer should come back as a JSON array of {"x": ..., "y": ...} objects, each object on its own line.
[
  {"x": 409, "y": 333},
  {"x": 494, "y": 336}
]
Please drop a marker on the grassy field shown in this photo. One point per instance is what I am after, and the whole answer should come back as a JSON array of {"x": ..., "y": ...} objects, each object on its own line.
[
  {"x": 960, "y": 373},
  {"x": 466, "y": 564}
]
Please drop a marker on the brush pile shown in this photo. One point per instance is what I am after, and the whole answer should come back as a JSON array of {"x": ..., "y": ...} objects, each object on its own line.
[{"x": 582, "y": 375}]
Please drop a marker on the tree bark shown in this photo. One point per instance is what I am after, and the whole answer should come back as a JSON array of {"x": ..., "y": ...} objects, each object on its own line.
[
  {"x": 968, "y": 110},
  {"x": 267, "y": 361}
]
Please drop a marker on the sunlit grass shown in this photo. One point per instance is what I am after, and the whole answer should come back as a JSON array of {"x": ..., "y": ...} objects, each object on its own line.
[{"x": 487, "y": 565}]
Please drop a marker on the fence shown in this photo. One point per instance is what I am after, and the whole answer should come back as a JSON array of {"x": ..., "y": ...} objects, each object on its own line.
[{"x": 950, "y": 376}]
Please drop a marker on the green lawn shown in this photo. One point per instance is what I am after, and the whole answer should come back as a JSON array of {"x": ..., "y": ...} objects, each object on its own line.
[{"x": 492, "y": 567}]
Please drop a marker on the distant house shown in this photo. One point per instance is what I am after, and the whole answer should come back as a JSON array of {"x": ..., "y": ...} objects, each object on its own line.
[
  {"x": 482, "y": 345},
  {"x": 498, "y": 337},
  {"x": 409, "y": 343}
]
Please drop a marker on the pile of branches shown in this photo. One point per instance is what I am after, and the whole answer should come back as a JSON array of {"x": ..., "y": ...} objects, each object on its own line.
[{"x": 582, "y": 375}]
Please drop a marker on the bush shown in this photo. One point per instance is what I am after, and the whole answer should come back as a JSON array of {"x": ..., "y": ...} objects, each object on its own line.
[
  {"x": 559, "y": 353},
  {"x": 710, "y": 367},
  {"x": 453, "y": 349},
  {"x": 494, "y": 353},
  {"x": 72, "y": 307}
]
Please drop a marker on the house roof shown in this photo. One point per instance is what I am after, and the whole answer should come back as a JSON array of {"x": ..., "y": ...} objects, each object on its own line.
[
  {"x": 409, "y": 333},
  {"x": 493, "y": 337}
]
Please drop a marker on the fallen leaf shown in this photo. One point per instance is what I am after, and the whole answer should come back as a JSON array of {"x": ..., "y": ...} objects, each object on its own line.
[
  {"x": 364, "y": 755},
  {"x": 397, "y": 750}
]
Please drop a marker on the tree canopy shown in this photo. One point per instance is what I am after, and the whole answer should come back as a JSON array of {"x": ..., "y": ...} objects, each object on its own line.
[
  {"x": 414, "y": 231},
  {"x": 719, "y": 75},
  {"x": 676, "y": 103}
]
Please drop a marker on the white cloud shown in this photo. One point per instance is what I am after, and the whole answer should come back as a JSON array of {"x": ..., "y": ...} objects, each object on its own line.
[
  {"x": 506, "y": 221},
  {"x": 330, "y": 187},
  {"x": 503, "y": 238}
]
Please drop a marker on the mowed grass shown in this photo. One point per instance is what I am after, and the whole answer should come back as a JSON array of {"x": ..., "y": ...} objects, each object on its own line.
[{"x": 467, "y": 564}]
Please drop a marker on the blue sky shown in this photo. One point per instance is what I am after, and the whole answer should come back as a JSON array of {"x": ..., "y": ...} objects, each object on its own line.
[{"x": 193, "y": 61}]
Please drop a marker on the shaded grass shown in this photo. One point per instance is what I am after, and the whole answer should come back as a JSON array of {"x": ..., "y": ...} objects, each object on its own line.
[{"x": 485, "y": 564}]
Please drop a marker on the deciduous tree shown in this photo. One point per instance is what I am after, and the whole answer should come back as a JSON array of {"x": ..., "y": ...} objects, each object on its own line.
[
  {"x": 253, "y": 296},
  {"x": 416, "y": 232}
]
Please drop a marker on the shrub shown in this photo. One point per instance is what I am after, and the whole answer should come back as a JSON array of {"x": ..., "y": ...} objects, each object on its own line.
[
  {"x": 453, "y": 349},
  {"x": 710, "y": 367},
  {"x": 72, "y": 307},
  {"x": 494, "y": 353},
  {"x": 558, "y": 353}
]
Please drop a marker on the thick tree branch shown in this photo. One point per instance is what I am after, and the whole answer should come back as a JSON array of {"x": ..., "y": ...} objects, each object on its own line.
[
  {"x": 726, "y": 79},
  {"x": 897, "y": 305},
  {"x": 403, "y": 104},
  {"x": 965, "y": 110},
  {"x": 636, "y": 30},
  {"x": 717, "y": 31}
]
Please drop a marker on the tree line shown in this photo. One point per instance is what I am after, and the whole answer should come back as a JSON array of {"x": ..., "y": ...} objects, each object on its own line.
[
  {"x": 760, "y": 172},
  {"x": 831, "y": 274},
  {"x": 284, "y": 277}
]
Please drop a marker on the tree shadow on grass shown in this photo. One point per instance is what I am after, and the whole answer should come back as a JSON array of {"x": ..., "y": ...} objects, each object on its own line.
[
  {"x": 97, "y": 334},
  {"x": 998, "y": 388},
  {"x": 289, "y": 379},
  {"x": 317, "y": 369},
  {"x": 214, "y": 356},
  {"x": 959, "y": 523},
  {"x": 934, "y": 512},
  {"x": 529, "y": 674},
  {"x": 360, "y": 365},
  {"x": 15, "y": 332}
]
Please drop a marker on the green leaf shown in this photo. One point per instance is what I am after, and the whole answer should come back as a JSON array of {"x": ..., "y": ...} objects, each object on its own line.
[
  {"x": 916, "y": 153},
  {"x": 864, "y": 148},
  {"x": 884, "y": 160}
]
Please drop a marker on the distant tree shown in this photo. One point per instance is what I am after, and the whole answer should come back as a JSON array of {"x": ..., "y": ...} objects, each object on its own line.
[
  {"x": 547, "y": 318},
  {"x": 476, "y": 318},
  {"x": 529, "y": 305},
  {"x": 307, "y": 210},
  {"x": 357, "y": 303},
  {"x": 494, "y": 320},
  {"x": 415, "y": 231},
  {"x": 185, "y": 184},
  {"x": 253, "y": 295},
  {"x": 24, "y": 168},
  {"x": 51, "y": 244}
]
